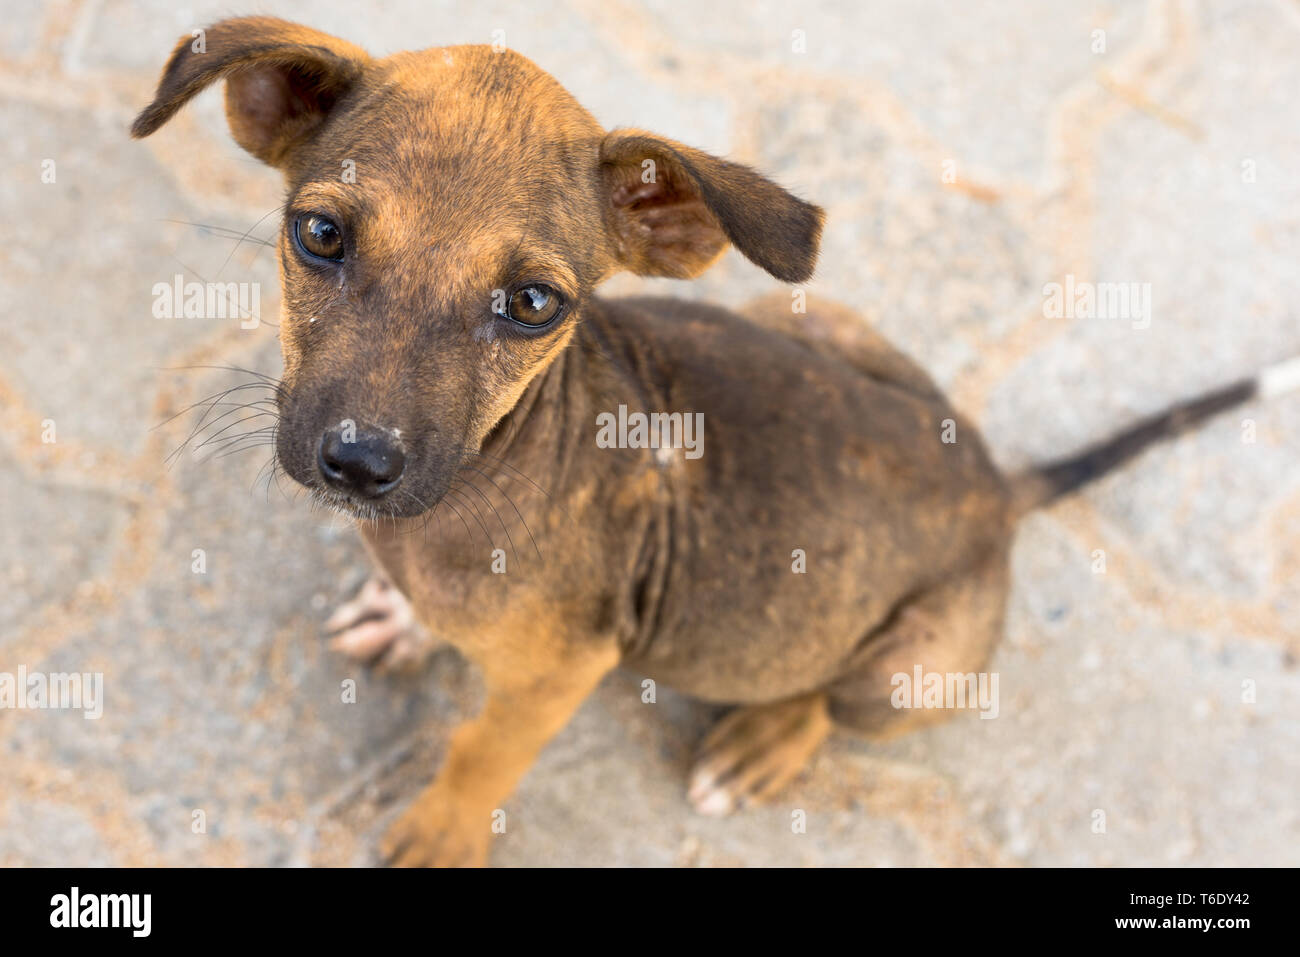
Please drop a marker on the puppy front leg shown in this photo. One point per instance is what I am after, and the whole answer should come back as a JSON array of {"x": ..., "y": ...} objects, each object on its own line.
[{"x": 528, "y": 702}]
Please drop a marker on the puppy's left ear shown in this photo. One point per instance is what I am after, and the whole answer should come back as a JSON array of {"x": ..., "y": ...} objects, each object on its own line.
[{"x": 671, "y": 210}]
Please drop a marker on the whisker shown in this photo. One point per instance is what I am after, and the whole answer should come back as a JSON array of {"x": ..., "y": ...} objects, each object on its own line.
[
  {"x": 456, "y": 512},
  {"x": 218, "y": 368},
  {"x": 230, "y": 425},
  {"x": 198, "y": 429},
  {"x": 242, "y": 448},
  {"x": 262, "y": 434},
  {"x": 229, "y": 233},
  {"x": 213, "y": 399},
  {"x": 219, "y": 438},
  {"x": 511, "y": 501},
  {"x": 246, "y": 236},
  {"x": 503, "y": 464},
  {"x": 504, "y": 528},
  {"x": 469, "y": 503},
  {"x": 425, "y": 511},
  {"x": 513, "y": 473}
]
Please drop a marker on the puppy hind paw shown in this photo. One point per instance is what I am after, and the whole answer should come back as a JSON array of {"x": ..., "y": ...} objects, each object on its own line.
[{"x": 754, "y": 751}]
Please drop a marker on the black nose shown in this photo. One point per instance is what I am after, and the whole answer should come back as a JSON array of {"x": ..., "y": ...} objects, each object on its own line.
[{"x": 363, "y": 461}]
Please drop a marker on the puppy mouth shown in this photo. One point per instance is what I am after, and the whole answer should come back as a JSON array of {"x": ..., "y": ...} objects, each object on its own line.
[{"x": 398, "y": 503}]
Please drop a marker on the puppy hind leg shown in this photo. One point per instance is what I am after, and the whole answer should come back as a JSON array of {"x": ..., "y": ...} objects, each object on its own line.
[{"x": 950, "y": 630}]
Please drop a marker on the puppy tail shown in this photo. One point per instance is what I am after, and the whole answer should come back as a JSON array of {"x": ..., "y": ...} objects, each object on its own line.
[{"x": 1044, "y": 485}]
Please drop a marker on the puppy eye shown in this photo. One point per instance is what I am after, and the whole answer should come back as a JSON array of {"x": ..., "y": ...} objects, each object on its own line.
[
  {"x": 534, "y": 305},
  {"x": 320, "y": 237}
]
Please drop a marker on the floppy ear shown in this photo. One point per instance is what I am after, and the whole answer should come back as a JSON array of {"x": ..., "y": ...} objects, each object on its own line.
[
  {"x": 673, "y": 209},
  {"x": 282, "y": 79}
]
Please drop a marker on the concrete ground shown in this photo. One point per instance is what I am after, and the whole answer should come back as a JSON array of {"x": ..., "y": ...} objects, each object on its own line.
[{"x": 967, "y": 154}]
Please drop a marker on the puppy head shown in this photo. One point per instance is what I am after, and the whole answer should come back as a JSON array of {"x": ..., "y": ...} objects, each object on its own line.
[{"x": 448, "y": 214}]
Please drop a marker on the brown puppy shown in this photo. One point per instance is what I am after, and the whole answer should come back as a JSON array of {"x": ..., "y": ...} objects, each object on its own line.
[{"x": 444, "y": 356}]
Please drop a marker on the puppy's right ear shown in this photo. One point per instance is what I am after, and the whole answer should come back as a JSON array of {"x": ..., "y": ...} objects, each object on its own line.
[{"x": 282, "y": 80}]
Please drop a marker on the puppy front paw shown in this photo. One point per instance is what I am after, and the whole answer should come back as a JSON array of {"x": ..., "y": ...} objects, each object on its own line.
[
  {"x": 438, "y": 831},
  {"x": 378, "y": 627}
]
